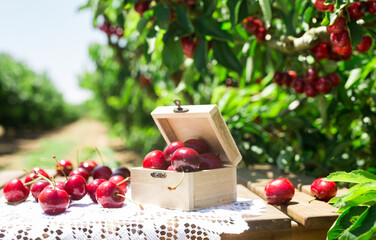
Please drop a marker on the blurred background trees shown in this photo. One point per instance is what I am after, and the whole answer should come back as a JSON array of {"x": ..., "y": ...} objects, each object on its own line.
[{"x": 29, "y": 101}]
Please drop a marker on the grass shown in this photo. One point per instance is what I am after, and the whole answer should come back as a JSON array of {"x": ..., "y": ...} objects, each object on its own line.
[
  {"x": 62, "y": 149},
  {"x": 43, "y": 156}
]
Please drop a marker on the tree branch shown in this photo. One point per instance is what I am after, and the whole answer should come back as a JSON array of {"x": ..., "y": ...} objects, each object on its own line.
[{"x": 293, "y": 45}]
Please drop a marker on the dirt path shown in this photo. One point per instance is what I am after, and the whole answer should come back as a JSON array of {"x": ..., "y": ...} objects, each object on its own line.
[{"x": 65, "y": 141}]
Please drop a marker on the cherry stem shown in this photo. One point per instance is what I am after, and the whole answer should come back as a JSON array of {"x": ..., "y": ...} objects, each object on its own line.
[
  {"x": 177, "y": 185},
  {"x": 99, "y": 154},
  {"x": 27, "y": 172},
  {"x": 16, "y": 202},
  {"x": 33, "y": 181},
  {"x": 126, "y": 179},
  {"x": 52, "y": 182},
  {"x": 60, "y": 167},
  {"x": 312, "y": 200},
  {"x": 139, "y": 204}
]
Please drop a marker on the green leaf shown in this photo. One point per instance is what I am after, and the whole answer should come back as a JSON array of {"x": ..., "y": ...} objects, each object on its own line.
[
  {"x": 355, "y": 33},
  {"x": 354, "y": 76},
  {"x": 329, "y": 18},
  {"x": 356, "y": 176},
  {"x": 162, "y": 14},
  {"x": 172, "y": 55},
  {"x": 210, "y": 27},
  {"x": 201, "y": 55},
  {"x": 368, "y": 198},
  {"x": 224, "y": 55},
  {"x": 266, "y": 11},
  {"x": 142, "y": 23},
  {"x": 183, "y": 18},
  {"x": 364, "y": 228},
  {"x": 353, "y": 193},
  {"x": 173, "y": 31},
  {"x": 344, "y": 221},
  {"x": 233, "y": 6},
  {"x": 209, "y": 7}
]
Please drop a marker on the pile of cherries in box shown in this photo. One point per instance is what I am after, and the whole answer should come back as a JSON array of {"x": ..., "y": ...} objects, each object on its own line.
[
  {"x": 190, "y": 156},
  {"x": 108, "y": 188}
]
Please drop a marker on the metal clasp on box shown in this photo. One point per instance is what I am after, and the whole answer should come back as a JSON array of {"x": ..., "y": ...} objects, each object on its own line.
[
  {"x": 179, "y": 109},
  {"x": 158, "y": 175}
]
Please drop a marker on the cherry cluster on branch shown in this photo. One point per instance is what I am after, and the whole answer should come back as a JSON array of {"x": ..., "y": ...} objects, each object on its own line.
[{"x": 311, "y": 84}]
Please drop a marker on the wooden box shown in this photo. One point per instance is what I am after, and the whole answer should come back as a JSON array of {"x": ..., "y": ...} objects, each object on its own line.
[{"x": 199, "y": 189}]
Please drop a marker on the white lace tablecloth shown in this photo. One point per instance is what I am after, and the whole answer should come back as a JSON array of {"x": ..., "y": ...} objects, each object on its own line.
[{"x": 86, "y": 220}]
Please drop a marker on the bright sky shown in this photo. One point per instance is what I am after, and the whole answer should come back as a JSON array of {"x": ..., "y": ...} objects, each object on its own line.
[{"x": 50, "y": 36}]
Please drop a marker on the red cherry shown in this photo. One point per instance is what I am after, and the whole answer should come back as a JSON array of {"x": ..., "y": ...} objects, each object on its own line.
[
  {"x": 372, "y": 7},
  {"x": 122, "y": 171},
  {"x": 365, "y": 44},
  {"x": 76, "y": 187},
  {"x": 345, "y": 50},
  {"x": 197, "y": 144},
  {"x": 38, "y": 187},
  {"x": 279, "y": 191},
  {"x": 210, "y": 161},
  {"x": 66, "y": 166},
  {"x": 108, "y": 195},
  {"x": 155, "y": 160},
  {"x": 321, "y": 50},
  {"x": 53, "y": 200},
  {"x": 144, "y": 80},
  {"x": 310, "y": 90},
  {"x": 250, "y": 24},
  {"x": 286, "y": 79},
  {"x": 40, "y": 171},
  {"x": 260, "y": 34},
  {"x": 102, "y": 172},
  {"x": 92, "y": 162},
  {"x": 170, "y": 149},
  {"x": 30, "y": 178},
  {"x": 185, "y": 160},
  {"x": 334, "y": 55},
  {"x": 323, "y": 85},
  {"x": 277, "y": 78},
  {"x": 323, "y": 190},
  {"x": 311, "y": 75},
  {"x": 119, "y": 179},
  {"x": 340, "y": 39},
  {"x": 59, "y": 185},
  {"x": 15, "y": 191},
  {"x": 355, "y": 11},
  {"x": 292, "y": 73},
  {"x": 299, "y": 84},
  {"x": 81, "y": 172},
  {"x": 92, "y": 188},
  {"x": 142, "y": 6},
  {"x": 338, "y": 25},
  {"x": 189, "y": 45},
  {"x": 87, "y": 166},
  {"x": 334, "y": 78},
  {"x": 171, "y": 168},
  {"x": 322, "y": 7}
]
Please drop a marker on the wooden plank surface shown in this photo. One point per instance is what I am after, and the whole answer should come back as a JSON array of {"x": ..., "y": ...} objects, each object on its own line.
[
  {"x": 312, "y": 215},
  {"x": 271, "y": 219}
]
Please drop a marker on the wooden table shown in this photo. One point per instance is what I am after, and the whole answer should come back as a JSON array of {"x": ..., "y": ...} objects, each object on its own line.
[{"x": 297, "y": 220}]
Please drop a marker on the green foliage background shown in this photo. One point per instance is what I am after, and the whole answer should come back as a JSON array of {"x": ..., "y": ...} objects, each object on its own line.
[{"x": 270, "y": 124}]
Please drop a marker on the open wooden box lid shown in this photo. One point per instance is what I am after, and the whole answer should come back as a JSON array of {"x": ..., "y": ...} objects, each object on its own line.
[{"x": 198, "y": 121}]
